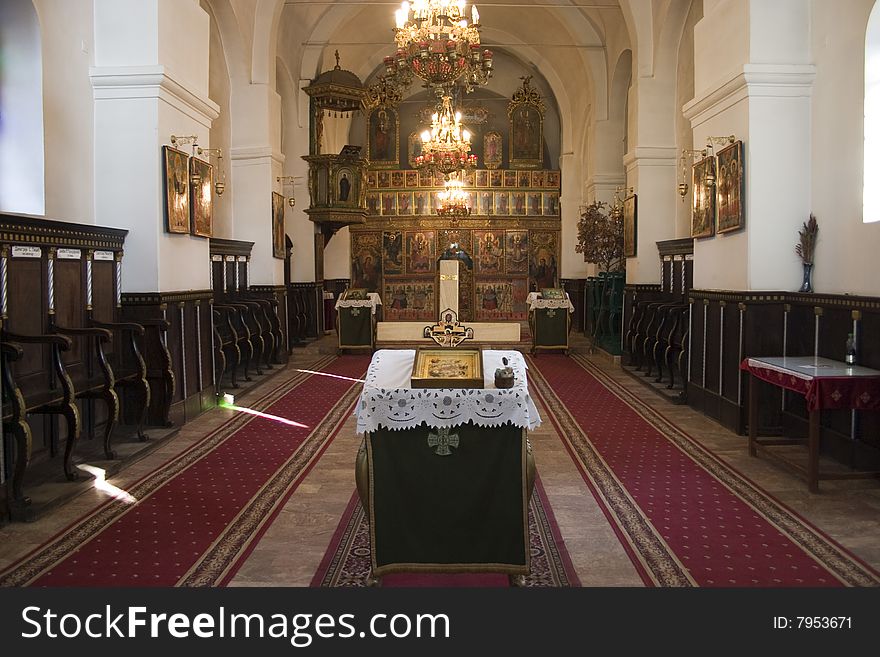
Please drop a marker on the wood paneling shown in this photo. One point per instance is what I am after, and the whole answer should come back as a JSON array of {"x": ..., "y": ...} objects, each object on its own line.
[{"x": 775, "y": 324}]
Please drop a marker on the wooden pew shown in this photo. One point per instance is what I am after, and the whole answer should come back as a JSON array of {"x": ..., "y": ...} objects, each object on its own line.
[{"x": 54, "y": 395}]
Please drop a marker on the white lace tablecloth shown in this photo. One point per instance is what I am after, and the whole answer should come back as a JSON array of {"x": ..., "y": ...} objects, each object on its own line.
[
  {"x": 372, "y": 300},
  {"x": 534, "y": 301},
  {"x": 388, "y": 402}
]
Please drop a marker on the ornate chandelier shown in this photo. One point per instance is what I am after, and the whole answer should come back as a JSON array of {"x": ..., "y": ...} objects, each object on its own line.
[
  {"x": 436, "y": 42},
  {"x": 452, "y": 202},
  {"x": 446, "y": 147}
]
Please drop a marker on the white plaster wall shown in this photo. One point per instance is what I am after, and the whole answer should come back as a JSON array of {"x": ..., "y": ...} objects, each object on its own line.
[
  {"x": 184, "y": 260},
  {"x": 126, "y": 47},
  {"x": 218, "y": 91},
  {"x": 846, "y": 251},
  {"x": 337, "y": 255},
  {"x": 68, "y": 108},
  {"x": 136, "y": 107},
  {"x": 21, "y": 109},
  {"x": 721, "y": 262},
  {"x": 721, "y": 43},
  {"x": 684, "y": 135},
  {"x": 184, "y": 37}
]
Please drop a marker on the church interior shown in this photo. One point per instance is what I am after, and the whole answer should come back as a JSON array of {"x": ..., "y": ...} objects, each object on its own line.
[{"x": 321, "y": 293}]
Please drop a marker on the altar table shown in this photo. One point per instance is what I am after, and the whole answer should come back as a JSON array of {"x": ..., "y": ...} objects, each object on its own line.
[{"x": 444, "y": 474}]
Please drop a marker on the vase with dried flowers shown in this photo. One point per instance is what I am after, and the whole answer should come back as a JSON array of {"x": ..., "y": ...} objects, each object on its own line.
[{"x": 806, "y": 249}]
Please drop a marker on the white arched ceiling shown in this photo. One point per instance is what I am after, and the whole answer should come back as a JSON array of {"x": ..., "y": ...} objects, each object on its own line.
[
  {"x": 639, "y": 19},
  {"x": 578, "y": 82},
  {"x": 234, "y": 50},
  {"x": 266, "y": 19}
]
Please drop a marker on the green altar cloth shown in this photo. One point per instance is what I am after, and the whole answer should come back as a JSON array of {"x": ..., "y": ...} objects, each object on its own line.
[{"x": 448, "y": 500}]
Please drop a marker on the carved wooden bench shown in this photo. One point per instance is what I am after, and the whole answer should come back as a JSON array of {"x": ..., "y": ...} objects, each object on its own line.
[
  {"x": 54, "y": 396},
  {"x": 95, "y": 383},
  {"x": 225, "y": 342},
  {"x": 129, "y": 367}
]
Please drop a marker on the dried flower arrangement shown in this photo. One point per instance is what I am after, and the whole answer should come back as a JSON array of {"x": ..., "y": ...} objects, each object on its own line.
[
  {"x": 806, "y": 246},
  {"x": 600, "y": 237}
]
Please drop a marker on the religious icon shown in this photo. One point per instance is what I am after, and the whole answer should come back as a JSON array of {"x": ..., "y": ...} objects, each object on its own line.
[
  {"x": 502, "y": 203},
  {"x": 344, "y": 178},
  {"x": 485, "y": 203},
  {"x": 373, "y": 202},
  {"x": 490, "y": 251},
  {"x": 397, "y": 179},
  {"x": 731, "y": 188},
  {"x": 412, "y": 178},
  {"x": 703, "y": 218},
  {"x": 509, "y": 178},
  {"x": 384, "y": 178},
  {"x": 482, "y": 178},
  {"x": 551, "y": 204},
  {"x": 525, "y": 113},
  {"x": 517, "y": 252},
  {"x": 414, "y": 148},
  {"x": 420, "y": 252},
  {"x": 422, "y": 203},
  {"x": 629, "y": 226},
  {"x": 538, "y": 178},
  {"x": 492, "y": 150},
  {"x": 495, "y": 178},
  {"x": 389, "y": 204},
  {"x": 202, "y": 197},
  {"x": 552, "y": 179},
  {"x": 534, "y": 204},
  {"x": 392, "y": 253},
  {"x": 404, "y": 202},
  {"x": 277, "y": 225},
  {"x": 176, "y": 190},
  {"x": 372, "y": 179},
  {"x": 383, "y": 131},
  {"x": 518, "y": 203},
  {"x": 366, "y": 270},
  {"x": 544, "y": 271},
  {"x": 524, "y": 179}
]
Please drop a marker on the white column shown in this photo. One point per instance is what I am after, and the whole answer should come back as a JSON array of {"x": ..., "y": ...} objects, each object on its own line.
[
  {"x": 150, "y": 81},
  {"x": 650, "y": 171},
  {"x": 256, "y": 163},
  {"x": 759, "y": 88}
]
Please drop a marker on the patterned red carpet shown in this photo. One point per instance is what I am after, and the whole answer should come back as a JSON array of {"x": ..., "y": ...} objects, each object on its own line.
[
  {"x": 198, "y": 515},
  {"x": 347, "y": 560},
  {"x": 685, "y": 518}
]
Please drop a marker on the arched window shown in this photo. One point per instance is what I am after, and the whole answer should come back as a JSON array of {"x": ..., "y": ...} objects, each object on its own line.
[
  {"x": 21, "y": 109},
  {"x": 871, "y": 206}
]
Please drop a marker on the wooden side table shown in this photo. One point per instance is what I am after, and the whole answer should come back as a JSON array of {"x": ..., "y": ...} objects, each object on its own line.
[{"x": 826, "y": 384}]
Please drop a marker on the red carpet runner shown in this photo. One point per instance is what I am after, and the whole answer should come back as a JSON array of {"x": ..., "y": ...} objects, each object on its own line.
[
  {"x": 686, "y": 518},
  {"x": 199, "y": 514},
  {"x": 347, "y": 560}
]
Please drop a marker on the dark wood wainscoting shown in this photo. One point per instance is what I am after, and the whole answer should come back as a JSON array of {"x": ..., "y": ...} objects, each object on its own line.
[
  {"x": 728, "y": 326},
  {"x": 188, "y": 377},
  {"x": 56, "y": 274},
  {"x": 576, "y": 288},
  {"x": 306, "y": 316},
  {"x": 278, "y": 294}
]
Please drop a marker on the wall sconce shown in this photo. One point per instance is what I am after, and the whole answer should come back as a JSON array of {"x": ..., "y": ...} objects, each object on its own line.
[
  {"x": 687, "y": 155},
  {"x": 195, "y": 179},
  {"x": 288, "y": 180},
  {"x": 220, "y": 185},
  {"x": 620, "y": 193}
]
